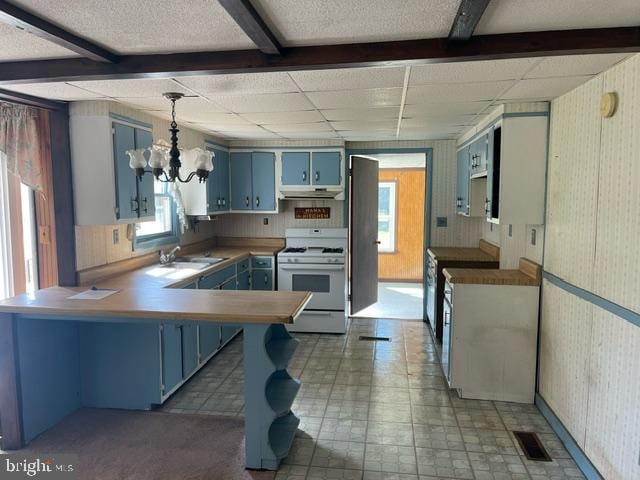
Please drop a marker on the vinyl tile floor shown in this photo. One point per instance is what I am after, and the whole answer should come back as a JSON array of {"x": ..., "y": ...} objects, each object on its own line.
[
  {"x": 397, "y": 301},
  {"x": 382, "y": 411}
]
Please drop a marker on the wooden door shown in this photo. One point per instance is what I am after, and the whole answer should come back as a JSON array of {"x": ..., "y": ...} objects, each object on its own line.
[{"x": 364, "y": 233}]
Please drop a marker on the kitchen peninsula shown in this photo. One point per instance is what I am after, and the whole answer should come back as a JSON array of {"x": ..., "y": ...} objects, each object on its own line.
[{"x": 60, "y": 354}]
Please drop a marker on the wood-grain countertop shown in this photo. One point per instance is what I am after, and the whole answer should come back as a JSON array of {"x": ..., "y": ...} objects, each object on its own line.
[
  {"x": 151, "y": 276},
  {"x": 152, "y": 304},
  {"x": 460, "y": 254},
  {"x": 529, "y": 274}
]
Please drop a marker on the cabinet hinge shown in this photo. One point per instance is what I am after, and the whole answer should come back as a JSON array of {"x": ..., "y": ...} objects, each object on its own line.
[
  {"x": 349, "y": 297},
  {"x": 350, "y": 172}
]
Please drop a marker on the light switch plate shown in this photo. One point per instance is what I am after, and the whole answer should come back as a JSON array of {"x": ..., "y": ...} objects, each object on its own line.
[
  {"x": 533, "y": 236},
  {"x": 265, "y": 221}
]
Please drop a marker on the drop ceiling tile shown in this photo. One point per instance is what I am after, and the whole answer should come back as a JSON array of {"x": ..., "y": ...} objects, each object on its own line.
[
  {"x": 230, "y": 128},
  {"x": 349, "y": 79},
  {"x": 543, "y": 88},
  {"x": 240, "y": 83},
  {"x": 309, "y": 135},
  {"x": 414, "y": 123},
  {"x": 573, "y": 65},
  {"x": 268, "y": 102},
  {"x": 365, "y": 125},
  {"x": 183, "y": 106},
  {"x": 503, "y": 16},
  {"x": 19, "y": 45},
  {"x": 300, "y": 127},
  {"x": 356, "y": 136},
  {"x": 278, "y": 118},
  {"x": 460, "y": 92},
  {"x": 145, "y": 26},
  {"x": 430, "y": 119},
  {"x": 134, "y": 88},
  {"x": 450, "y": 108},
  {"x": 263, "y": 135},
  {"x": 310, "y": 22},
  {"x": 203, "y": 117},
  {"x": 382, "y": 113},
  {"x": 427, "y": 134},
  {"x": 54, "y": 91},
  {"x": 468, "y": 72},
  {"x": 379, "y": 97}
]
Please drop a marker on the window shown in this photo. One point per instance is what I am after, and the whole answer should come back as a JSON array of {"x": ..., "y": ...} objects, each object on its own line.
[
  {"x": 164, "y": 229},
  {"x": 387, "y": 216}
]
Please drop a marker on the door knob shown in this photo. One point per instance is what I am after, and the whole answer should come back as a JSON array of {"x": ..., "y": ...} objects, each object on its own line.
[{"x": 377, "y": 242}]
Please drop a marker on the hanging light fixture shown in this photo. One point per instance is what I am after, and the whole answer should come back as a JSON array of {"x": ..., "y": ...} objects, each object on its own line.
[{"x": 165, "y": 157}]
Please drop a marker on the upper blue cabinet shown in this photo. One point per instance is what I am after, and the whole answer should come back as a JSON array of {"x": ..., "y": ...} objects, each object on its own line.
[
  {"x": 325, "y": 168},
  {"x": 218, "y": 197},
  {"x": 295, "y": 168},
  {"x": 253, "y": 181},
  {"x": 106, "y": 191}
]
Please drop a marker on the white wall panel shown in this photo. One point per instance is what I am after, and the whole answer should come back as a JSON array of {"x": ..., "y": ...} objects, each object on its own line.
[
  {"x": 572, "y": 183},
  {"x": 613, "y": 426},
  {"x": 618, "y": 232},
  {"x": 565, "y": 340}
]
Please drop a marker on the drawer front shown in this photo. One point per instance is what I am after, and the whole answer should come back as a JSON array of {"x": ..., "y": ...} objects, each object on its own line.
[
  {"x": 215, "y": 279},
  {"x": 261, "y": 262},
  {"x": 242, "y": 265}
]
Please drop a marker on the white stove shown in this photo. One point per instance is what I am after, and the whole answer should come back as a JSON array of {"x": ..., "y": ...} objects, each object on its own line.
[{"x": 314, "y": 260}]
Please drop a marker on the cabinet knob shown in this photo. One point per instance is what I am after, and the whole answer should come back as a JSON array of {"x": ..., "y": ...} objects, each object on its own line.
[
  {"x": 224, "y": 201},
  {"x": 134, "y": 205},
  {"x": 246, "y": 201},
  {"x": 257, "y": 201},
  {"x": 144, "y": 202},
  {"x": 266, "y": 279},
  {"x": 317, "y": 175},
  {"x": 304, "y": 176}
]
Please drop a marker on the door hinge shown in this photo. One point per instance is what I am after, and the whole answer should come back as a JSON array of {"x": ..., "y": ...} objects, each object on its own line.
[
  {"x": 349, "y": 297},
  {"x": 350, "y": 171}
]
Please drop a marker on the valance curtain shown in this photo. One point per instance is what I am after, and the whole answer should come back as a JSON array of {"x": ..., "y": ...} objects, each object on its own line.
[{"x": 20, "y": 142}]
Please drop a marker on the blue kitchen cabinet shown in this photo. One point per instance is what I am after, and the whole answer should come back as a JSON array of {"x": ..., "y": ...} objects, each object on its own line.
[
  {"x": 240, "y": 166},
  {"x": 171, "y": 356},
  {"x": 218, "y": 198},
  {"x": 295, "y": 168},
  {"x": 146, "y": 185},
  {"x": 209, "y": 340},
  {"x": 462, "y": 199},
  {"x": 244, "y": 281},
  {"x": 325, "y": 168},
  {"x": 478, "y": 153},
  {"x": 124, "y": 138},
  {"x": 189, "y": 349},
  {"x": 262, "y": 280},
  {"x": 263, "y": 179}
]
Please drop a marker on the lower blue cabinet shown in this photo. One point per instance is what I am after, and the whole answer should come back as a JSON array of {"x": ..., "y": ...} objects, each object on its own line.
[
  {"x": 171, "y": 356},
  {"x": 244, "y": 281},
  {"x": 209, "y": 340},
  {"x": 189, "y": 349},
  {"x": 262, "y": 280}
]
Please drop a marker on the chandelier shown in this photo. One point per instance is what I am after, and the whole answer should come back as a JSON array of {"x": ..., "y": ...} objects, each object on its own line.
[{"x": 164, "y": 158}]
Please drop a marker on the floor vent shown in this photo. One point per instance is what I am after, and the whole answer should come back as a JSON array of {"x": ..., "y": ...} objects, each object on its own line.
[
  {"x": 532, "y": 446},
  {"x": 374, "y": 339}
]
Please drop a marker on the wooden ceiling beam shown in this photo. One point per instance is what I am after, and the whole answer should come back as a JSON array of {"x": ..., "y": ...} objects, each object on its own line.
[
  {"x": 23, "y": 20},
  {"x": 248, "y": 19},
  {"x": 467, "y": 18},
  {"x": 440, "y": 50}
]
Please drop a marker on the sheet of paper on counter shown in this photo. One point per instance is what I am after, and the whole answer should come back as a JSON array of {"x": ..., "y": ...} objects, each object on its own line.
[{"x": 93, "y": 294}]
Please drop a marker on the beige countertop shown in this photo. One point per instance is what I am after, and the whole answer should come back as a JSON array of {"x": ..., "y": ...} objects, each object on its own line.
[
  {"x": 156, "y": 276},
  {"x": 165, "y": 304}
]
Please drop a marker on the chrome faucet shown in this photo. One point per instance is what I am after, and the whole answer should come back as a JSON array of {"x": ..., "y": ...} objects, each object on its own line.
[{"x": 166, "y": 259}]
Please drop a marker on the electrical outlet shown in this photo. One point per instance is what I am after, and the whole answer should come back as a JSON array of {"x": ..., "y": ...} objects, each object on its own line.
[
  {"x": 265, "y": 221},
  {"x": 510, "y": 230},
  {"x": 533, "y": 236},
  {"x": 116, "y": 236},
  {"x": 441, "y": 221}
]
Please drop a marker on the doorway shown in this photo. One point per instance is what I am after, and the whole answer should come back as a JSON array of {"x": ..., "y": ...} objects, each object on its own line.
[{"x": 402, "y": 234}]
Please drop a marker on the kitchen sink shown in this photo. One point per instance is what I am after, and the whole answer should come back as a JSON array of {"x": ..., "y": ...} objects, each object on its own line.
[
  {"x": 207, "y": 260},
  {"x": 183, "y": 265}
]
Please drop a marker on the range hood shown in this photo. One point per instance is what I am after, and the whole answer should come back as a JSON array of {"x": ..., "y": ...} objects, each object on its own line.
[{"x": 288, "y": 193}]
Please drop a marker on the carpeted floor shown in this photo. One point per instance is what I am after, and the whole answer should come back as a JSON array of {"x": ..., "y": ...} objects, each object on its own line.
[{"x": 119, "y": 444}]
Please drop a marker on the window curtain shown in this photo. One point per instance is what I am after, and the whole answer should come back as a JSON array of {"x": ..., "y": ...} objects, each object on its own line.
[
  {"x": 20, "y": 142},
  {"x": 6, "y": 268}
]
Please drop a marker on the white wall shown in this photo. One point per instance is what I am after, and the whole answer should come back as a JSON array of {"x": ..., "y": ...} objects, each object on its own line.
[{"x": 590, "y": 358}]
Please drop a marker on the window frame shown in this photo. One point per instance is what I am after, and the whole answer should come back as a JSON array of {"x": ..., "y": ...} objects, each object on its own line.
[
  {"x": 164, "y": 238},
  {"x": 393, "y": 217}
]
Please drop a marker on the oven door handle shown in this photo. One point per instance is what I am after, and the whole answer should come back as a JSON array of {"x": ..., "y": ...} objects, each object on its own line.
[{"x": 311, "y": 267}]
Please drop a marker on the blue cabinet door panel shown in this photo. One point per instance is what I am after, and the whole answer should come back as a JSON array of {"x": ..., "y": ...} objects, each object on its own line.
[
  {"x": 295, "y": 168},
  {"x": 209, "y": 340},
  {"x": 126, "y": 188},
  {"x": 171, "y": 356},
  {"x": 189, "y": 349},
  {"x": 218, "y": 182},
  {"x": 325, "y": 168},
  {"x": 241, "y": 193},
  {"x": 262, "y": 280},
  {"x": 462, "y": 200},
  {"x": 263, "y": 173},
  {"x": 146, "y": 192},
  {"x": 244, "y": 281}
]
